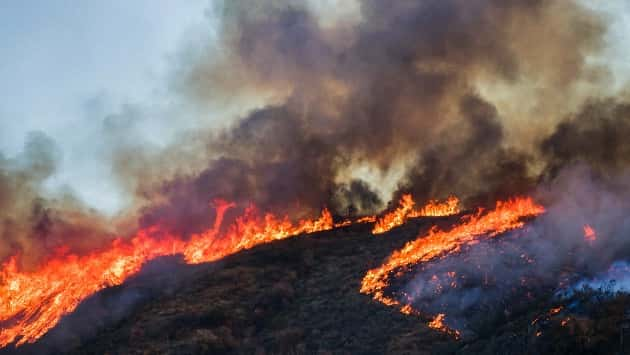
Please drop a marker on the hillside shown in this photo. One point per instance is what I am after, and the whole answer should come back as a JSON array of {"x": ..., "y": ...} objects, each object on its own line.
[{"x": 296, "y": 296}]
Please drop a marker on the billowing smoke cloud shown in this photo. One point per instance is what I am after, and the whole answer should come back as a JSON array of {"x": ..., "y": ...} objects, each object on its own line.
[
  {"x": 405, "y": 84},
  {"x": 483, "y": 99},
  {"x": 477, "y": 165},
  {"x": 401, "y": 85},
  {"x": 597, "y": 136},
  {"x": 35, "y": 224}
]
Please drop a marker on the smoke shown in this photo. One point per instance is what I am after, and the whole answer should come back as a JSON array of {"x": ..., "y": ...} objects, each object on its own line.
[
  {"x": 490, "y": 281},
  {"x": 35, "y": 224},
  {"x": 416, "y": 86},
  {"x": 483, "y": 99},
  {"x": 597, "y": 136},
  {"x": 477, "y": 166},
  {"x": 613, "y": 281},
  {"x": 405, "y": 85}
]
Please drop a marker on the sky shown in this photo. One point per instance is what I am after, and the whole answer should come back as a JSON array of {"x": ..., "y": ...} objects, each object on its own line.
[
  {"x": 617, "y": 53},
  {"x": 57, "y": 55},
  {"x": 66, "y": 65}
]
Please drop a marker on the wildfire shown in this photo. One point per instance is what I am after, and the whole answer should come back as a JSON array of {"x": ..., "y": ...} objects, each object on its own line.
[
  {"x": 31, "y": 303},
  {"x": 438, "y": 209},
  {"x": 506, "y": 215},
  {"x": 406, "y": 210},
  {"x": 344, "y": 223},
  {"x": 367, "y": 219},
  {"x": 590, "y": 236},
  {"x": 348, "y": 222},
  {"x": 549, "y": 313},
  {"x": 438, "y": 324}
]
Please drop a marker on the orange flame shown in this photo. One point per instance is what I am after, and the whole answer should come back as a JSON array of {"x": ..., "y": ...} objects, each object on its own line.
[
  {"x": 438, "y": 209},
  {"x": 590, "y": 235},
  {"x": 344, "y": 223},
  {"x": 406, "y": 210},
  {"x": 549, "y": 313},
  {"x": 31, "y": 303},
  {"x": 506, "y": 216},
  {"x": 438, "y": 324},
  {"x": 367, "y": 219}
]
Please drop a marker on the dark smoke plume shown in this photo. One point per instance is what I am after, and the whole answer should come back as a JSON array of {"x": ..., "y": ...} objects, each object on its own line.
[
  {"x": 413, "y": 91},
  {"x": 403, "y": 90},
  {"x": 597, "y": 135},
  {"x": 399, "y": 86}
]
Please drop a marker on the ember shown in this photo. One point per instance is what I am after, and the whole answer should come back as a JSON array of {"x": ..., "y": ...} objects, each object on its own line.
[{"x": 589, "y": 234}]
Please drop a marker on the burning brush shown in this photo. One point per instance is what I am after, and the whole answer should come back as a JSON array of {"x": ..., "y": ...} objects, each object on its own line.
[
  {"x": 34, "y": 302},
  {"x": 507, "y": 215}
]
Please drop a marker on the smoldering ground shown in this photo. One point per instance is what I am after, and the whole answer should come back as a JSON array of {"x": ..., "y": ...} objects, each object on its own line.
[{"x": 499, "y": 278}]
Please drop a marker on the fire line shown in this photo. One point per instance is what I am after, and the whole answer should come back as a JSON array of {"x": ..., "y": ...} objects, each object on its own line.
[
  {"x": 507, "y": 215},
  {"x": 31, "y": 303},
  {"x": 406, "y": 210}
]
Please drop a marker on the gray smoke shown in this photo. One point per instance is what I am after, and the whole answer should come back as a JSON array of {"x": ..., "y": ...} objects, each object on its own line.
[
  {"x": 406, "y": 91},
  {"x": 500, "y": 277}
]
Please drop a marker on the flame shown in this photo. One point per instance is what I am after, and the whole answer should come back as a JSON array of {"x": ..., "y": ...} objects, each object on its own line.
[
  {"x": 406, "y": 210},
  {"x": 506, "y": 215},
  {"x": 438, "y": 209},
  {"x": 31, "y": 303},
  {"x": 549, "y": 313},
  {"x": 344, "y": 223},
  {"x": 396, "y": 217},
  {"x": 367, "y": 219},
  {"x": 590, "y": 236},
  {"x": 437, "y": 323},
  {"x": 408, "y": 310}
]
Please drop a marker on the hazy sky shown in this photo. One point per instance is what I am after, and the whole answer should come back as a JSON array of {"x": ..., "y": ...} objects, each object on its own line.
[{"x": 65, "y": 65}]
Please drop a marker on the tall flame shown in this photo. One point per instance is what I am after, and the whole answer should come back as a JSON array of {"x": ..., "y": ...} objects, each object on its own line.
[
  {"x": 31, "y": 303},
  {"x": 437, "y": 209},
  {"x": 507, "y": 215},
  {"x": 406, "y": 210}
]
